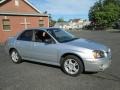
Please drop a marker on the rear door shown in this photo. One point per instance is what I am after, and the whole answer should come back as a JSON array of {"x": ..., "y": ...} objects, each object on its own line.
[{"x": 24, "y": 44}]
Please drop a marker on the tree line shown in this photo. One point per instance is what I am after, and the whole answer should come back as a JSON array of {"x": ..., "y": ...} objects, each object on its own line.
[{"x": 105, "y": 13}]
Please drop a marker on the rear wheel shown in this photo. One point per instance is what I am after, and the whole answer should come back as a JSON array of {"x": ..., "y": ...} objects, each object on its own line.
[
  {"x": 72, "y": 65},
  {"x": 16, "y": 58}
]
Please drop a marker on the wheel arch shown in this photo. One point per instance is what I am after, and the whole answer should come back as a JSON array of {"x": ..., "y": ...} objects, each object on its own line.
[
  {"x": 66, "y": 54},
  {"x": 19, "y": 60},
  {"x": 11, "y": 49}
]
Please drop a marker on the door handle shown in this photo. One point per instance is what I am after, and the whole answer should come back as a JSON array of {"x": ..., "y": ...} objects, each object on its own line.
[
  {"x": 36, "y": 44},
  {"x": 18, "y": 42}
]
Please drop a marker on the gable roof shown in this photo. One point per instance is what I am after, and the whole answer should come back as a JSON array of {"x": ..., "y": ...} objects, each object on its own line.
[
  {"x": 38, "y": 12},
  {"x": 32, "y": 6},
  {"x": 2, "y": 2},
  {"x": 74, "y": 20}
]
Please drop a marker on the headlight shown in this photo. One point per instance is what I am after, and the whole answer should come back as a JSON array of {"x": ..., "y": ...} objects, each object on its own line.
[{"x": 98, "y": 54}]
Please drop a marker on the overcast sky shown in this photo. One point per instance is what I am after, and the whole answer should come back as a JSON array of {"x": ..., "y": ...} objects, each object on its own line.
[{"x": 66, "y": 9}]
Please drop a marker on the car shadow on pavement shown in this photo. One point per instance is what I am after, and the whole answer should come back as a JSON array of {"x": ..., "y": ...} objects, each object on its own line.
[
  {"x": 104, "y": 76},
  {"x": 101, "y": 75},
  {"x": 43, "y": 64}
]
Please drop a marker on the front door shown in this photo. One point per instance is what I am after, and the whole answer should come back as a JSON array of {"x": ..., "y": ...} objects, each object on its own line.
[{"x": 42, "y": 50}]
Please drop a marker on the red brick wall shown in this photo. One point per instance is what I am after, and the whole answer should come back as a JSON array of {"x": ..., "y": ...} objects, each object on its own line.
[
  {"x": 16, "y": 26},
  {"x": 23, "y": 7},
  {"x": 15, "y": 21}
]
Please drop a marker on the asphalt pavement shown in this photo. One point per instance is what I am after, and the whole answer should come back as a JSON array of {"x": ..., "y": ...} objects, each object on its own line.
[{"x": 37, "y": 76}]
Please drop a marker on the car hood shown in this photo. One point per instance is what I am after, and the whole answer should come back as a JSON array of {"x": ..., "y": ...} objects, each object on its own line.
[{"x": 88, "y": 44}]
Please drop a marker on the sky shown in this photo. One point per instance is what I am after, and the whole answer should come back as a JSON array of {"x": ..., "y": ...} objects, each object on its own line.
[{"x": 66, "y": 9}]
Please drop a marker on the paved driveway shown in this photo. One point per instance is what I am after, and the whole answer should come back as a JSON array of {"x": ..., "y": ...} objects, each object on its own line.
[{"x": 36, "y": 76}]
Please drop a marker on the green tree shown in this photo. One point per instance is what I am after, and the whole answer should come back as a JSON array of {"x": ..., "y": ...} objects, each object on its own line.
[
  {"x": 104, "y": 13},
  {"x": 51, "y": 21},
  {"x": 60, "y": 20}
]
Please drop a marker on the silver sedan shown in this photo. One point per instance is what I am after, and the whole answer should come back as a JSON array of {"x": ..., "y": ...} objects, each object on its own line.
[{"x": 58, "y": 47}]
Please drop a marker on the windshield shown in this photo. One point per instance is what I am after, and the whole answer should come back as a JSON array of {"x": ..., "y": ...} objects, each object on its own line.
[{"x": 61, "y": 35}]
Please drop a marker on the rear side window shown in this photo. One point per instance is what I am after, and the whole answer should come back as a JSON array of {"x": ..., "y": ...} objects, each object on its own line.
[{"x": 26, "y": 36}]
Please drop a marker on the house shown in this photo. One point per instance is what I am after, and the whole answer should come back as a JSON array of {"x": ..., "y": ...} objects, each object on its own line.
[
  {"x": 17, "y": 15},
  {"x": 72, "y": 24},
  {"x": 78, "y": 23},
  {"x": 63, "y": 25},
  {"x": 76, "y": 20}
]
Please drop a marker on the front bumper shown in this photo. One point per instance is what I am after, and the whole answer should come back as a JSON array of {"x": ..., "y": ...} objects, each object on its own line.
[{"x": 97, "y": 65}]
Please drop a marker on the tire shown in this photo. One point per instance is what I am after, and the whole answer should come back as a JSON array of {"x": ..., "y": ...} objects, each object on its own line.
[
  {"x": 72, "y": 65},
  {"x": 16, "y": 58}
]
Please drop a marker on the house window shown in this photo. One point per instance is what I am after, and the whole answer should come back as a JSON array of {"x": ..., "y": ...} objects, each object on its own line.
[
  {"x": 41, "y": 23},
  {"x": 6, "y": 24}
]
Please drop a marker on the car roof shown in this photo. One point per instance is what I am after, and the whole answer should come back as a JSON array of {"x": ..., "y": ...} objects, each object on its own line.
[{"x": 41, "y": 28}]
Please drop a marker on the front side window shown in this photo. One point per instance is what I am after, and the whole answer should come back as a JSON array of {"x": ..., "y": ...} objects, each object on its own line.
[
  {"x": 41, "y": 36},
  {"x": 6, "y": 24},
  {"x": 26, "y": 36}
]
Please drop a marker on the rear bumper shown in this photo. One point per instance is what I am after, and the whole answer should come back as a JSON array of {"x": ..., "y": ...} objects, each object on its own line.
[{"x": 97, "y": 65}]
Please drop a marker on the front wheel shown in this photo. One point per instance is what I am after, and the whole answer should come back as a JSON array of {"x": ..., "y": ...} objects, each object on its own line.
[
  {"x": 72, "y": 65},
  {"x": 16, "y": 58}
]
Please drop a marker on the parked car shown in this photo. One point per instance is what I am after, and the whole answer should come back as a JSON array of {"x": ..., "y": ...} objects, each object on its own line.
[{"x": 58, "y": 47}]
